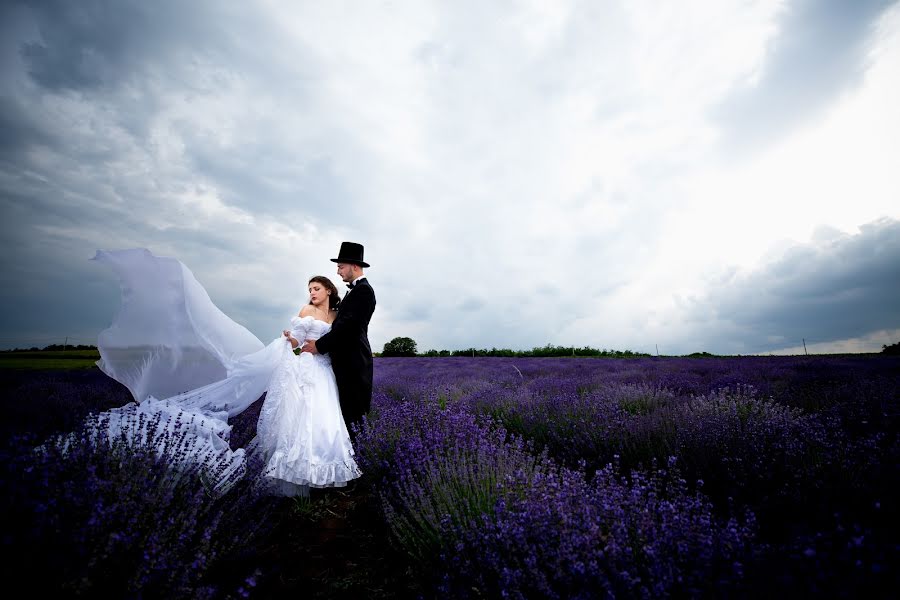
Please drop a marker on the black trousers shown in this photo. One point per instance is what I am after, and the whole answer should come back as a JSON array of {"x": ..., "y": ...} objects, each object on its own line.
[{"x": 356, "y": 399}]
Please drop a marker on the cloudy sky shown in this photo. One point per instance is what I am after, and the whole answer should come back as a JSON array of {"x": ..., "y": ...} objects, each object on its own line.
[{"x": 704, "y": 175}]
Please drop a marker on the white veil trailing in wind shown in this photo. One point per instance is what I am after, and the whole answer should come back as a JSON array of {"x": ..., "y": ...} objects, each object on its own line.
[
  {"x": 168, "y": 336},
  {"x": 179, "y": 354}
]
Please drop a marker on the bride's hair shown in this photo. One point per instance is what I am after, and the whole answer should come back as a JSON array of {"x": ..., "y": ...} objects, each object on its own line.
[{"x": 333, "y": 297}]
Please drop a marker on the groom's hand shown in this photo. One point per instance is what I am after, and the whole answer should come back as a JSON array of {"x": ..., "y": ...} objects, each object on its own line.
[{"x": 309, "y": 346}]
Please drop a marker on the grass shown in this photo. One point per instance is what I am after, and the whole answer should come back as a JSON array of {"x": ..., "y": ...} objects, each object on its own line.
[{"x": 49, "y": 359}]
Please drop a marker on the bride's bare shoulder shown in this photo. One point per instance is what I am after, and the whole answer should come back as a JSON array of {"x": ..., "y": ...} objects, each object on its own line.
[{"x": 306, "y": 311}]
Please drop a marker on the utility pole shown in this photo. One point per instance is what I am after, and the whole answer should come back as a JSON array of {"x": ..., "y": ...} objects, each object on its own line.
[
  {"x": 804, "y": 347},
  {"x": 657, "y": 350},
  {"x": 65, "y": 343}
]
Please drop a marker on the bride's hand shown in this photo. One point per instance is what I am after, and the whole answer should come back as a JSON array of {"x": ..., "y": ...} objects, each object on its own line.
[{"x": 286, "y": 333}]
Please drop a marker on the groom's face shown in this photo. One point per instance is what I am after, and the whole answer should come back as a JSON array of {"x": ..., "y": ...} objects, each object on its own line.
[{"x": 345, "y": 270}]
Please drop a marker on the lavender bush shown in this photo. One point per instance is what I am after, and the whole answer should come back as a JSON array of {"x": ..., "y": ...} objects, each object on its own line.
[
  {"x": 751, "y": 450},
  {"x": 438, "y": 469},
  {"x": 92, "y": 516},
  {"x": 507, "y": 477},
  {"x": 45, "y": 402},
  {"x": 639, "y": 537},
  {"x": 805, "y": 448},
  {"x": 486, "y": 514}
]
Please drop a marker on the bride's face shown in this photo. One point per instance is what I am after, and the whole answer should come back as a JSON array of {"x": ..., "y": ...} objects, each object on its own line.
[{"x": 317, "y": 294}]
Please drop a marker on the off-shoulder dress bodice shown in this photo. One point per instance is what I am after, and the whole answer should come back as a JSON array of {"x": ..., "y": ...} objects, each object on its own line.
[{"x": 308, "y": 328}]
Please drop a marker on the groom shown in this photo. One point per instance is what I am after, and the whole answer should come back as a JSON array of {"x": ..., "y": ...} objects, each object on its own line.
[{"x": 348, "y": 343}]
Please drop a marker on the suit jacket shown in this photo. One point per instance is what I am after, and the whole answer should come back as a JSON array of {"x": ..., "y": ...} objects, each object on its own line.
[{"x": 348, "y": 341}]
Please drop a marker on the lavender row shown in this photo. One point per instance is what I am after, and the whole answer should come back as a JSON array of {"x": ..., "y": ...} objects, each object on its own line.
[
  {"x": 485, "y": 514},
  {"x": 477, "y": 461},
  {"x": 515, "y": 477},
  {"x": 86, "y": 515}
]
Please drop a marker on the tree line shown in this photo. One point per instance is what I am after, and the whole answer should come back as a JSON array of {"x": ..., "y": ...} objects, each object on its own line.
[
  {"x": 405, "y": 346},
  {"x": 53, "y": 348}
]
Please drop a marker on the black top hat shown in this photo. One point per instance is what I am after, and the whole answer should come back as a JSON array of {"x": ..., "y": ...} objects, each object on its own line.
[{"x": 351, "y": 253}]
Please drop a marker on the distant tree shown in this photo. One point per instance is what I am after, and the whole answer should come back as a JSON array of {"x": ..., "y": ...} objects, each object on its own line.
[
  {"x": 893, "y": 349},
  {"x": 400, "y": 346}
]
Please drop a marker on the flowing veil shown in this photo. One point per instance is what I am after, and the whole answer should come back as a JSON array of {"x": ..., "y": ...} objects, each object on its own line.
[
  {"x": 168, "y": 336},
  {"x": 179, "y": 354}
]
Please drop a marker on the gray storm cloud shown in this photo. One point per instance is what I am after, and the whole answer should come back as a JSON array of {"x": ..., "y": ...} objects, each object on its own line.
[
  {"x": 827, "y": 290},
  {"x": 510, "y": 169}
]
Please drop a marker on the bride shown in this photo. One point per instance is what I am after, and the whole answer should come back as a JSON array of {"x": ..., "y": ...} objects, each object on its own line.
[
  {"x": 300, "y": 425},
  {"x": 169, "y": 336}
]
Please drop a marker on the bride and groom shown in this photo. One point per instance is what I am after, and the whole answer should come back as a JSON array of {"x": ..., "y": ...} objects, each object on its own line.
[{"x": 169, "y": 336}]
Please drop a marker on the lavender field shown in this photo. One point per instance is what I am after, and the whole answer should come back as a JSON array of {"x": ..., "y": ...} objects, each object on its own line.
[{"x": 494, "y": 477}]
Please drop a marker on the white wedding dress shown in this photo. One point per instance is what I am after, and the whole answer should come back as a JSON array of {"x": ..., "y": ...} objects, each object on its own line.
[
  {"x": 168, "y": 336},
  {"x": 300, "y": 426}
]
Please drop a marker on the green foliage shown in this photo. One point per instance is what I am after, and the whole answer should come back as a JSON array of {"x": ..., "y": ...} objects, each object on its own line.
[
  {"x": 400, "y": 346},
  {"x": 538, "y": 352},
  {"x": 56, "y": 348},
  {"x": 44, "y": 364},
  {"x": 55, "y": 356},
  {"x": 70, "y": 359},
  {"x": 436, "y": 353}
]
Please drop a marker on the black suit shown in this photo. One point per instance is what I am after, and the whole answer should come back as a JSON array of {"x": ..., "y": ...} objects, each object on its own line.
[{"x": 351, "y": 356}]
